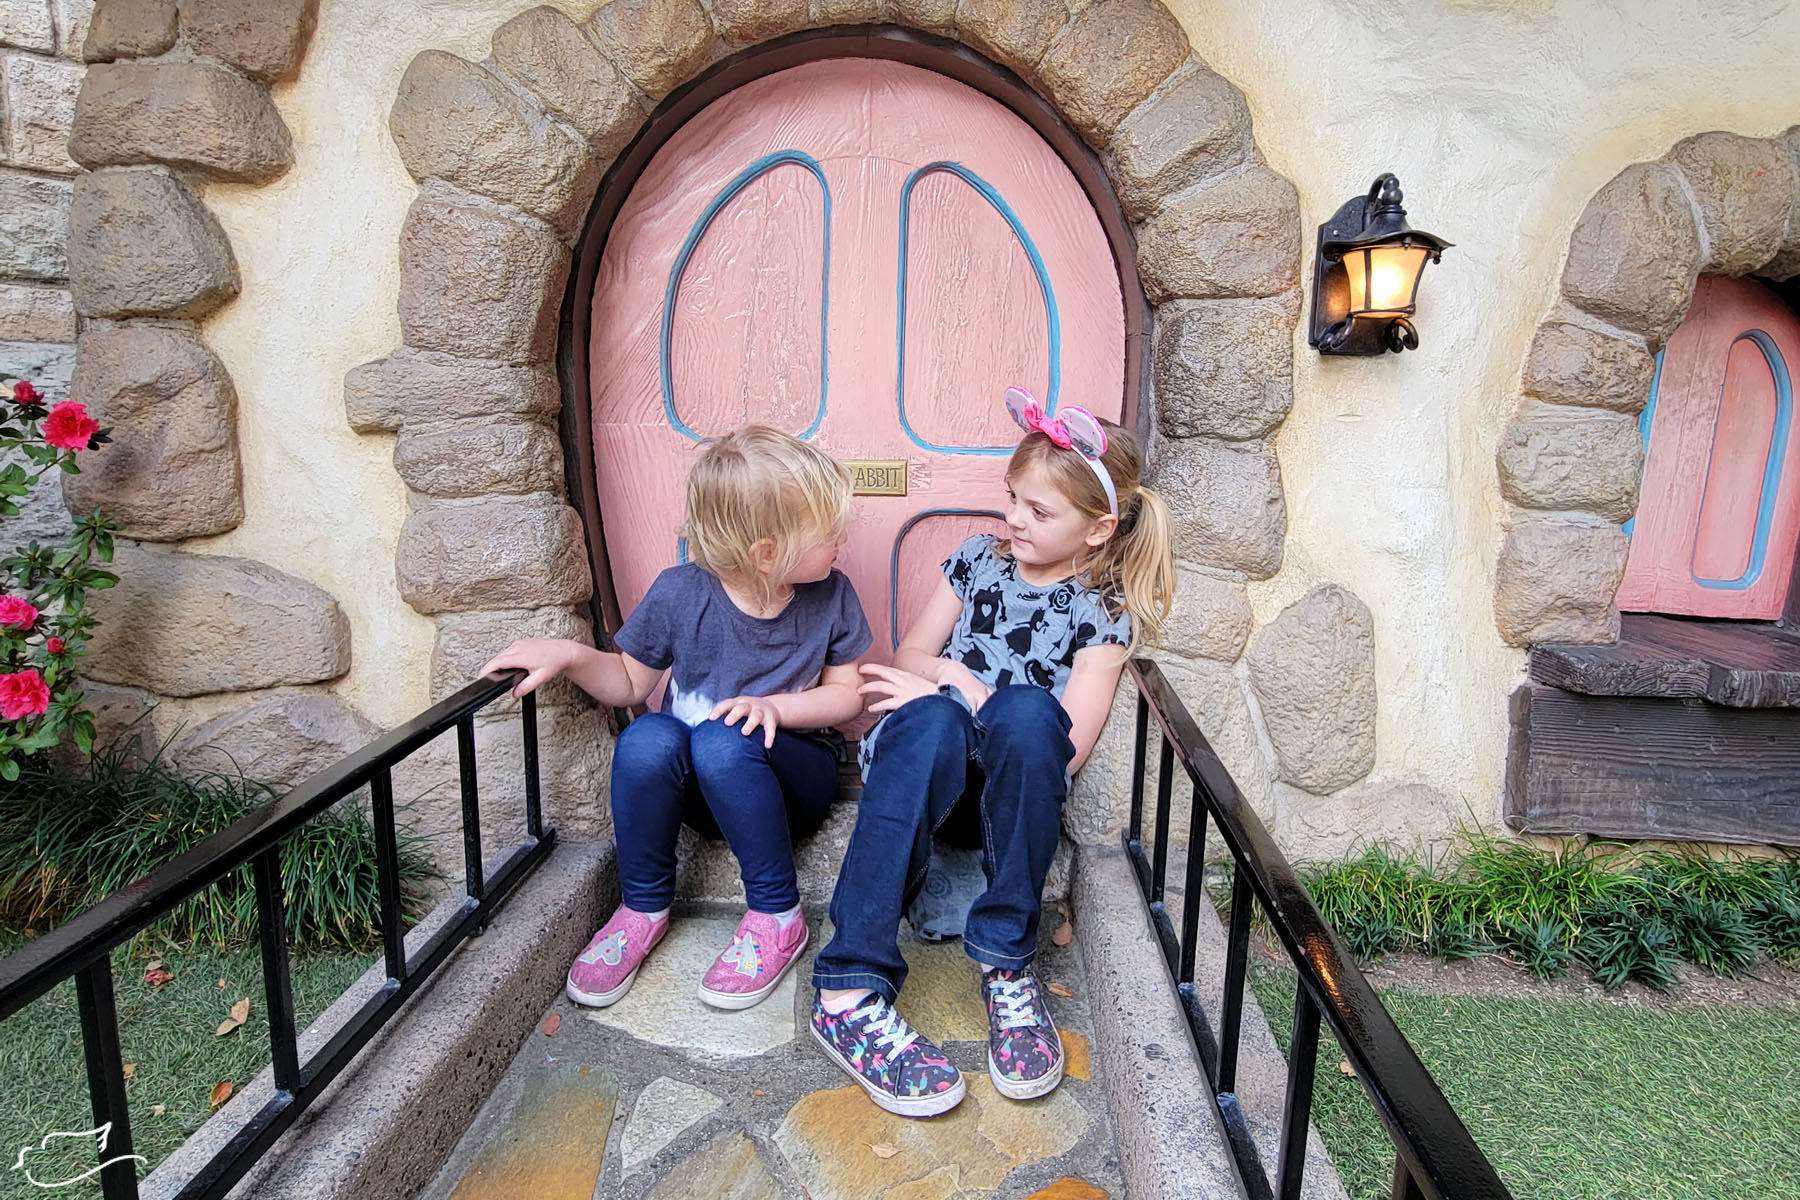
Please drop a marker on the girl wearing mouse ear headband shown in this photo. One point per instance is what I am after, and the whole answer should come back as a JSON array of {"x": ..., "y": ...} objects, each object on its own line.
[{"x": 1012, "y": 664}]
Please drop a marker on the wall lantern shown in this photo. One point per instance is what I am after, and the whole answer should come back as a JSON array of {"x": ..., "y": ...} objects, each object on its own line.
[{"x": 1366, "y": 275}]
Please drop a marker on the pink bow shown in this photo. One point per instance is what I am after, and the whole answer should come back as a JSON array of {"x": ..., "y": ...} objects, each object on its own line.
[{"x": 1033, "y": 418}]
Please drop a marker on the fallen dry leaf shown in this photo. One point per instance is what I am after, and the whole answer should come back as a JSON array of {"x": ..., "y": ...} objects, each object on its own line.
[
  {"x": 1060, "y": 989},
  {"x": 128, "y": 1070},
  {"x": 758, "y": 1091},
  {"x": 156, "y": 1110},
  {"x": 223, "y": 985},
  {"x": 883, "y": 1150},
  {"x": 1346, "y": 1068},
  {"x": 552, "y": 1023},
  {"x": 221, "y": 1092},
  {"x": 156, "y": 976},
  {"x": 1065, "y": 933},
  {"x": 240, "y": 1012}
]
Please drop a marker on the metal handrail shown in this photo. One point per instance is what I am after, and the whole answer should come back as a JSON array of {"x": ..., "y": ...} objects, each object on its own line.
[
  {"x": 1435, "y": 1157},
  {"x": 81, "y": 948}
]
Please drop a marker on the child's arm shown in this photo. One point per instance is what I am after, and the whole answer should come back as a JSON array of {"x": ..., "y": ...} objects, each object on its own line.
[
  {"x": 928, "y": 635},
  {"x": 613, "y": 679},
  {"x": 1088, "y": 696}
]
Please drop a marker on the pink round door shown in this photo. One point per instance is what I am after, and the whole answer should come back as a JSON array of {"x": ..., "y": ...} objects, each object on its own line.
[{"x": 864, "y": 254}]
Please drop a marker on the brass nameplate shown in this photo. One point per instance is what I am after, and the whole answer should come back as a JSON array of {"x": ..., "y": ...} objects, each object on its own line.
[{"x": 877, "y": 476}]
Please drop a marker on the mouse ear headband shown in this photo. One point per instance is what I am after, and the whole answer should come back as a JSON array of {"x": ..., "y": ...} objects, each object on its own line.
[{"x": 1074, "y": 429}]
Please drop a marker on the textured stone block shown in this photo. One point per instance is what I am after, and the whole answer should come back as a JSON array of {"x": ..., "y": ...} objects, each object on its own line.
[
  {"x": 27, "y": 24},
  {"x": 1556, "y": 582},
  {"x": 478, "y": 284},
  {"x": 1223, "y": 369},
  {"x": 503, "y": 554},
  {"x": 545, "y": 51},
  {"x": 1211, "y": 617},
  {"x": 1108, "y": 60},
  {"x": 142, "y": 244},
  {"x": 1786, "y": 263},
  {"x": 1014, "y": 33},
  {"x": 73, "y": 18},
  {"x": 1568, "y": 364},
  {"x": 129, "y": 29},
  {"x": 1313, "y": 671},
  {"x": 938, "y": 16},
  {"x": 478, "y": 460},
  {"x": 40, "y": 109},
  {"x": 282, "y": 740},
  {"x": 1238, "y": 235},
  {"x": 171, "y": 470},
  {"x": 1564, "y": 458},
  {"x": 402, "y": 389},
  {"x": 744, "y": 22},
  {"x": 1635, "y": 253},
  {"x": 454, "y": 121},
  {"x": 1226, "y": 501},
  {"x": 265, "y": 39},
  {"x": 191, "y": 624},
  {"x": 1744, "y": 188},
  {"x": 121, "y": 716},
  {"x": 34, "y": 227},
  {"x": 192, "y": 115},
  {"x": 467, "y": 640},
  {"x": 659, "y": 44},
  {"x": 1406, "y": 815},
  {"x": 846, "y": 12},
  {"x": 1196, "y": 126},
  {"x": 36, "y": 314}
]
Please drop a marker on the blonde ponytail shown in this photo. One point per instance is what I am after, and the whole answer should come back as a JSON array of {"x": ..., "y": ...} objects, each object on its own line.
[{"x": 1143, "y": 574}]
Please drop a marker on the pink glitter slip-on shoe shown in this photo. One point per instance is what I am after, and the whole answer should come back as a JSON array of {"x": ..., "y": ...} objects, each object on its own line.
[
  {"x": 605, "y": 970},
  {"x": 759, "y": 955}
]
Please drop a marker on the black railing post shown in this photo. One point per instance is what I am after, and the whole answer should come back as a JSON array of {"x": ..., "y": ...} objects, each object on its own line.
[
  {"x": 1237, "y": 959},
  {"x": 534, "y": 811},
  {"x": 1405, "y": 1186},
  {"x": 1303, "y": 1058},
  {"x": 1193, "y": 888},
  {"x": 475, "y": 881},
  {"x": 278, "y": 981},
  {"x": 1164, "y": 781},
  {"x": 387, "y": 873},
  {"x": 106, "y": 1078},
  {"x": 1138, "y": 750}
]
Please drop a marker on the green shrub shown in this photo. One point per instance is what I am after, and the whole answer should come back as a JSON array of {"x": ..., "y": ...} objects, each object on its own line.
[
  {"x": 1623, "y": 939},
  {"x": 69, "y": 839},
  {"x": 1542, "y": 945}
]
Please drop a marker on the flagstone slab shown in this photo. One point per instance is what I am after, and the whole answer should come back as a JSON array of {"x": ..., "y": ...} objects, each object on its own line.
[
  {"x": 664, "y": 1109},
  {"x": 942, "y": 996},
  {"x": 1069, "y": 1189},
  {"x": 552, "y": 1143},
  {"x": 828, "y": 1139},
  {"x": 1077, "y": 1062},
  {"x": 726, "y": 1168},
  {"x": 664, "y": 1006}
]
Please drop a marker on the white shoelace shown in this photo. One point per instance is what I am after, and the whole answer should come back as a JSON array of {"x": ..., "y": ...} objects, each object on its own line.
[
  {"x": 1014, "y": 997},
  {"x": 891, "y": 1031}
]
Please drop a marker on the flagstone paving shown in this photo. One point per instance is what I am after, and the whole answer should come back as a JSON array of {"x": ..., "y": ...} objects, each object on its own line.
[{"x": 716, "y": 1105}]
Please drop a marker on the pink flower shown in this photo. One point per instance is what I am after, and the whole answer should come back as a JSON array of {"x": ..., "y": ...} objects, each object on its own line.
[
  {"x": 55, "y": 645},
  {"x": 18, "y": 612},
  {"x": 68, "y": 427},
  {"x": 24, "y": 393},
  {"x": 23, "y": 694}
]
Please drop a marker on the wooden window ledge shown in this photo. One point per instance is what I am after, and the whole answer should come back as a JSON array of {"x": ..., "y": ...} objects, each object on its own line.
[{"x": 1733, "y": 663}]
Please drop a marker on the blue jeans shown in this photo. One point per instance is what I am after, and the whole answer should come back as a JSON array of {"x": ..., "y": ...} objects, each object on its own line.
[
  {"x": 1015, "y": 755},
  {"x": 723, "y": 784}
]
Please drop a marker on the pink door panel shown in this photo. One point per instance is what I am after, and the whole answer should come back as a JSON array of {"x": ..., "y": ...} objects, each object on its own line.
[
  {"x": 865, "y": 254},
  {"x": 1719, "y": 509}
]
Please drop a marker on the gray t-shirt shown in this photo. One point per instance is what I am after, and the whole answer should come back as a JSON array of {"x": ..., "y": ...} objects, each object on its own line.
[
  {"x": 1011, "y": 631},
  {"x": 717, "y": 650}
]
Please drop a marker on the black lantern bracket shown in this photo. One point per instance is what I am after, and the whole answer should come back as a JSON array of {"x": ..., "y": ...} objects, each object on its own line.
[{"x": 1347, "y": 324}]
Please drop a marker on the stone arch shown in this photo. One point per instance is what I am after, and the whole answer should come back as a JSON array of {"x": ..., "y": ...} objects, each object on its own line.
[
  {"x": 1571, "y": 457},
  {"x": 509, "y": 154}
]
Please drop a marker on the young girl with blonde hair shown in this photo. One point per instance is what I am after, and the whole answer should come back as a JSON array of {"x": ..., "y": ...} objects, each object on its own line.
[
  {"x": 760, "y": 638},
  {"x": 996, "y": 695}
]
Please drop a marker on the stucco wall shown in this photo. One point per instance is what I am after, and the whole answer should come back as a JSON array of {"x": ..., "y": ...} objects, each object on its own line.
[{"x": 1501, "y": 120}]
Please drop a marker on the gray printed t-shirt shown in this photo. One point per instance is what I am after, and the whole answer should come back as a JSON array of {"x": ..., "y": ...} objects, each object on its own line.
[{"x": 717, "y": 650}]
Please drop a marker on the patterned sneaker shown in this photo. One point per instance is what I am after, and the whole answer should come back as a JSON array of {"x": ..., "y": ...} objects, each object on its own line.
[
  {"x": 759, "y": 955},
  {"x": 605, "y": 970},
  {"x": 903, "y": 1071},
  {"x": 1025, "y": 1053}
]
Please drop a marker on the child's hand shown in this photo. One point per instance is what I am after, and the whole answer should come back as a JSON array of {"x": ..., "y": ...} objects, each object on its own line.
[
  {"x": 542, "y": 659},
  {"x": 964, "y": 681},
  {"x": 753, "y": 711},
  {"x": 894, "y": 686}
]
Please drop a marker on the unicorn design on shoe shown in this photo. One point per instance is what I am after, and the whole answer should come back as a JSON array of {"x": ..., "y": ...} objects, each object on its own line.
[
  {"x": 605, "y": 970},
  {"x": 759, "y": 955}
]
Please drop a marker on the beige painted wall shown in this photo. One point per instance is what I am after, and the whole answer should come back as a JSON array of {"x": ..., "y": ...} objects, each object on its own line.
[{"x": 1500, "y": 119}]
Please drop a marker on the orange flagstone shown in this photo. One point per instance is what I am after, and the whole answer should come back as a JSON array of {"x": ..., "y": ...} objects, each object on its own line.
[
  {"x": 1076, "y": 1064},
  {"x": 1069, "y": 1189},
  {"x": 552, "y": 1142}
]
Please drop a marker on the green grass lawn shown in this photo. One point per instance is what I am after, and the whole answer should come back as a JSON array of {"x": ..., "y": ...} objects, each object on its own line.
[
  {"x": 167, "y": 1031},
  {"x": 1583, "y": 1100}
]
